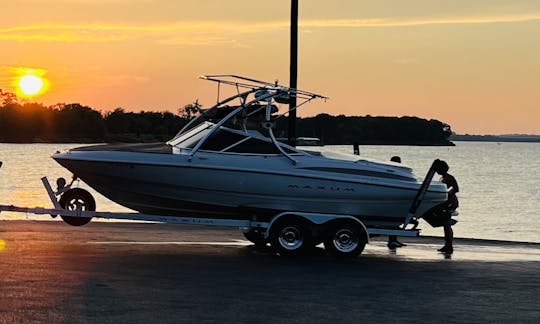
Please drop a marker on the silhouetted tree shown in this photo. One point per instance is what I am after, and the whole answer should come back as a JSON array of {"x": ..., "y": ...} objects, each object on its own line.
[
  {"x": 7, "y": 98},
  {"x": 374, "y": 130},
  {"x": 80, "y": 122},
  {"x": 190, "y": 110}
]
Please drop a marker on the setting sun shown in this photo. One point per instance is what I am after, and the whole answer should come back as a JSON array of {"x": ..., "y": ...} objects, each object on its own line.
[
  {"x": 30, "y": 85},
  {"x": 29, "y": 82}
]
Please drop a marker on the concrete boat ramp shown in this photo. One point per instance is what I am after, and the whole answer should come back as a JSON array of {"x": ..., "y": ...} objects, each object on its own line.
[{"x": 146, "y": 273}]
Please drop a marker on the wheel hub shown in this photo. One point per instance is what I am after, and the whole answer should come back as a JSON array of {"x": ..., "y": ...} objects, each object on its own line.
[
  {"x": 76, "y": 204},
  {"x": 290, "y": 238},
  {"x": 345, "y": 240}
]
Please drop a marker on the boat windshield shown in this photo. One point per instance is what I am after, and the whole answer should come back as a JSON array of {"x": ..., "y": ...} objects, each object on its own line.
[
  {"x": 334, "y": 154},
  {"x": 226, "y": 140}
]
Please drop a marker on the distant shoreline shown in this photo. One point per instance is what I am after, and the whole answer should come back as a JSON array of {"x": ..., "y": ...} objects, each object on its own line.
[
  {"x": 345, "y": 144},
  {"x": 148, "y": 138},
  {"x": 487, "y": 138},
  {"x": 496, "y": 138}
]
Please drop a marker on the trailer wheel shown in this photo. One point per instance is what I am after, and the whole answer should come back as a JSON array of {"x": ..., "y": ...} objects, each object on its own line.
[
  {"x": 290, "y": 236},
  {"x": 345, "y": 239},
  {"x": 77, "y": 199},
  {"x": 255, "y": 236}
]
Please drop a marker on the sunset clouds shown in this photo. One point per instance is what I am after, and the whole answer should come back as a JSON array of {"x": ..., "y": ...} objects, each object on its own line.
[
  {"x": 207, "y": 32},
  {"x": 472, "y": 64}
]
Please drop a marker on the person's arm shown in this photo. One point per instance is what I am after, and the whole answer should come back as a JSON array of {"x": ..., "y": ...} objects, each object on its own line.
[{"x": 454, "y": 186}]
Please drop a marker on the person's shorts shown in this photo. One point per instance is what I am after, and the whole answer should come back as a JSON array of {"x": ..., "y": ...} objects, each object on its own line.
[{"x": 439, "y": 216}]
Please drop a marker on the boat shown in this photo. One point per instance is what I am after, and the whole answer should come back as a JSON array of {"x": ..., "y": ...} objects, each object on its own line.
[{"x": 227, "y": 163}]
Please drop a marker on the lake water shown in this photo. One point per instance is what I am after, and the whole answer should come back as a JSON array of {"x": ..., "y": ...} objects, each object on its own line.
[{"x": 499, "y": 182}]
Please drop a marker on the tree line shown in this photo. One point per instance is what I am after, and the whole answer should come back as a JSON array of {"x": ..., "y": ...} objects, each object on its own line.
[
  {"x": 76, "y": 123},
  {"x": 369, "y": 130},
  {"x": 70, "y": 123}
]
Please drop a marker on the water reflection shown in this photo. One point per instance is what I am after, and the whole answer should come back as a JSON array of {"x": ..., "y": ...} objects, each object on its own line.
[
  {"x": 20, "y": 184},
  {"x": 462, "y": 252},
  {"x": 499, "y": 185}
]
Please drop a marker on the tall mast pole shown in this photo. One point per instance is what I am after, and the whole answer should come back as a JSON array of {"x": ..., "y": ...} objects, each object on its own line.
[{"x": 293, "y": 71}]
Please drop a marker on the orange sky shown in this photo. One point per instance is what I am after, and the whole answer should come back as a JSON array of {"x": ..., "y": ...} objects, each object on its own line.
[{"x": 472, "y": 64}]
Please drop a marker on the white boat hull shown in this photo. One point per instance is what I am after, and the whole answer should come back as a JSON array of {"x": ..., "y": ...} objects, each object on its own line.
[{"x": 244, "y": 186}]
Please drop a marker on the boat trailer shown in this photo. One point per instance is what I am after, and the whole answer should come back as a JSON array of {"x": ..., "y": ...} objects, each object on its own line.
[{"x": 344, "y": 236}]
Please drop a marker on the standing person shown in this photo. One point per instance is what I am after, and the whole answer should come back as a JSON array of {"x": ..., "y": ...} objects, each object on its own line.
[
  {"x": 393, "y": 242},
  {"x": 451, "y": 204}
]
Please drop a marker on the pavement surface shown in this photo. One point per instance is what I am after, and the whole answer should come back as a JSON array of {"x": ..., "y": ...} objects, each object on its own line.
[{"x": 154, "y": 273}]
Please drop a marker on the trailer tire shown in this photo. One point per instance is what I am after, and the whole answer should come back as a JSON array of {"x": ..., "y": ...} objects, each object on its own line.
[
  {"x": 345, "y": 239},
  {"x": 255, "y": 236},
  {"x": 290, "y": 236},
  {"x": 77, "y": 199}
]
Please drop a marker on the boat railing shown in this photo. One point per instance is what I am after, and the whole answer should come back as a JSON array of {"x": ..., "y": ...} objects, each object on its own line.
[{"x": 249, "y": 83}]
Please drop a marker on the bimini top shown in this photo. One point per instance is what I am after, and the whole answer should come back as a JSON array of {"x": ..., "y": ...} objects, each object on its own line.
[{"x": 230, "y": 125}]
